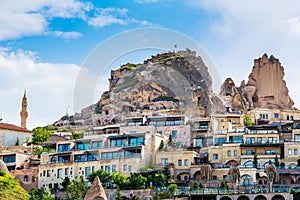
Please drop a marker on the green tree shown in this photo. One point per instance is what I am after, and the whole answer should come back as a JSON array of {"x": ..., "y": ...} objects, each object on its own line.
[
  {"x": 77, "y": 135},
  {"x": 76, "y": 190},
  {"x": 247, "y": 120},
  {"x": 11, "y": 189},
  {"x": 255, "y": 160},
  {"x": 223, "y": 184},
  {"x": 170, "y": 141},
  {"x": 119, "y": 195},
  {"x": 40, "y": 135},
  {"x": 160, "y": 180},
  {"x": 172, "y": 189},
  {"x": 196, "y": 185},
  {"x": 276, "y": 161},
  {"x": 119, "y": 179},
  {"x": 156, "y": 197},
  {"x": 161, "y": 145},
  {"x": 41, "y": 193},
  {"x": 104, "y": 176},
  {"x": 17, "y": 141},
  {"x": 38, "y": 151},
  {"x": 65, "y": 183},
  {"x": 136, "y": 181}
]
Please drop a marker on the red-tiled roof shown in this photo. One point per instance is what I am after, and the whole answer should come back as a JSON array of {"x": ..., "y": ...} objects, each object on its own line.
[{"x": 13, "y": 127}]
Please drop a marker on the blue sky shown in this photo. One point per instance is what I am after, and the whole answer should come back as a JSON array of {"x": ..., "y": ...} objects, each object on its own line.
[{"x": 44, "y": 42}]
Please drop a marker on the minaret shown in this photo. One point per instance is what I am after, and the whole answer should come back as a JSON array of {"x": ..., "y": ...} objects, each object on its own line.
[{"x": 24, "y": 113}]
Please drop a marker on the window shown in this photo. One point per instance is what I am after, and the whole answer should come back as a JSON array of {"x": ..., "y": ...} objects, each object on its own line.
[
  {"x": 159, "y": 132},
  {"x": 9, "y": 159},
  {"x": 59, "y": 173},
  {"x": 130, "y": 168},
  {"x": 87, "y": 171},
  {"x": 297, "y": 137},
  {"x": 164, "y": 161},
  {"x": 270, "y": 152},
  {"x": 199, "y": 143},
  {"x": 66, "y": 171},
  {"x": 93, "y": 168},
  {"x": 107, "y": 168},
  {"x": 63, "y": 159},
  {"x": 136, "y": 141},
  {"x": 114, "y": 168},
  {"x": 215, "y": 156},
  {"x": 186, "y": 162},
  {"x": 283, "y": 182},
  {"x": 83, "y": 146},
  {"x": 179, "y": 162},
  {"x": 276, "y": 115},
  {"x": 97, "y": 145},
  {"x": 80, "y": 158},
  {"x": 63, "y": 147},
  {"x": 48, "y": 173},
  {"x": 117, "y": 142},
  {"x": 290, "y": 152},
  {"x": 228, "y": 153},
  {"x": 92, "y": 157},
  {"x": 25, "y": 178},
  {"x": 220, "y": 141},
  {"x": 125, "y": 168},
  {"x": 44, "y": 173},
  {"x": 295, "y": 151},
  {"x": 53, "y": 159},
  {"x": 174, "y": 133},
  {"x": 235, "y": 153},
  {"x": 249, "y": 152}
]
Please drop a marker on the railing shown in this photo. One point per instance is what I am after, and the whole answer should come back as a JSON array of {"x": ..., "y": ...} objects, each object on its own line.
[{"x": 241, "y": 190}]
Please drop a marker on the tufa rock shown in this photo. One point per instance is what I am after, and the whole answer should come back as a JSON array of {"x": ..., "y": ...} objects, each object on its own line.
[
  {"x": 96, "y": 191},
  {"x": 271, "y": 91},
  {"x": 3, "y": 166},
  {"x": 164, "y": 83}
]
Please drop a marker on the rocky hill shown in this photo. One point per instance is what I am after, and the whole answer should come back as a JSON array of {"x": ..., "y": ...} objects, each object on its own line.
[
  {"x": 266, "y": 88},
  {"x": 172, "y": 83}
]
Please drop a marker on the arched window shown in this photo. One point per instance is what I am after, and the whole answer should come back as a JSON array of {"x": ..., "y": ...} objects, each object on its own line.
[
  {"x": 248, "y": 164},
  {"x": 246, "y": 180}
]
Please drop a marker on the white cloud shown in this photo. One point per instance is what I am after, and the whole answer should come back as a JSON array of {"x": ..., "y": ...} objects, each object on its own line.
[
  {"x": 108, "y": 16},
  {"x": 67, "y": 35},
  {"x": 23, "y": 18},
  {"x": 49, "y": 87}
]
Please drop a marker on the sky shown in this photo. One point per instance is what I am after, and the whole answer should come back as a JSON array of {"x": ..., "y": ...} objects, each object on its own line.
[{"x": 43, "y": 43}]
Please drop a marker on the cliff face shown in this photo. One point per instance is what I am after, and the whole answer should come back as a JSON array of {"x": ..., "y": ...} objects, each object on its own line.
[
  {"x": 168, "y": 82},
  {"x": 271, "y": 90},
  {"x": 266, "y": 88}
]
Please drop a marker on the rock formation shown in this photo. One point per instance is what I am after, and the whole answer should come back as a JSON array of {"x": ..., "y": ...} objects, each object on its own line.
[
  {"x": 265, "y": 88},
  {"x": 271, "y": 90},
  {"x": 173, "y": 81},
  {"x": 96, "y": 191},
  {"x": 3, "y": 166}
]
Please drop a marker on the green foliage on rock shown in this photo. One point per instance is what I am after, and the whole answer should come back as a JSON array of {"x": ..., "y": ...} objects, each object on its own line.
[
  {"x": 40, "y": 135},
  {"x": 11, "y": 189},
  {"x": 77, "y": 135},
  {"x": 165, "y": 98},
  {"x": 129, "y": 66}
]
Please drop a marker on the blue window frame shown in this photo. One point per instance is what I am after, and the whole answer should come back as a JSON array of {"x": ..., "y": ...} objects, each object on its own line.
[
  {"x": 9, "y": 159},
  {"x": 97, "y": 145},
  {"x": 63, "y": 147}
]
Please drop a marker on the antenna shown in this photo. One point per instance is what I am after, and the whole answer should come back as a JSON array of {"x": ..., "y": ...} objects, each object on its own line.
[{"x": 67, "y": 110}]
